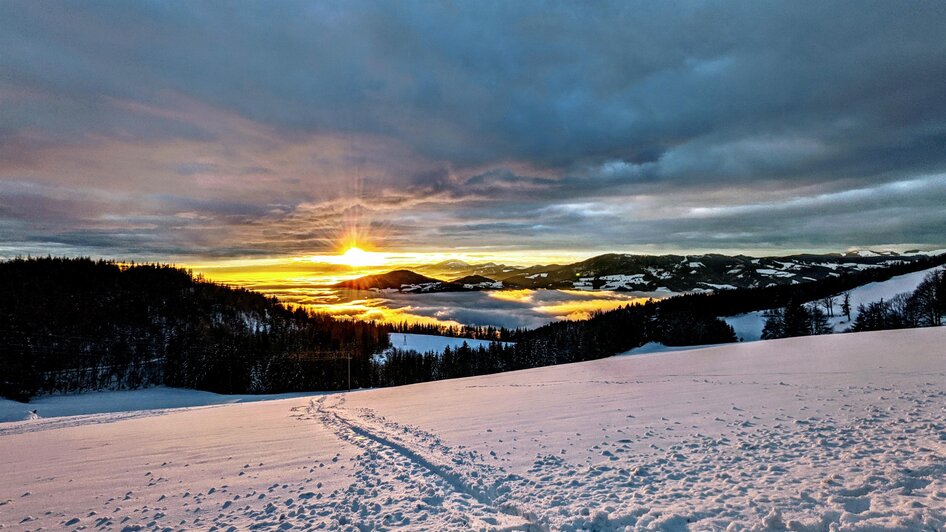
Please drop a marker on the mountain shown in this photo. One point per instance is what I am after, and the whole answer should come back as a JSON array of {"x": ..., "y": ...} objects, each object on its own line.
[
  {"x": 456, "y": 268},
  {"x": 477, "y": 282},
  {"x": 400, "y": 281},
  {"x": 648, "y": 273},
  {"x": 693, "y": 273}
]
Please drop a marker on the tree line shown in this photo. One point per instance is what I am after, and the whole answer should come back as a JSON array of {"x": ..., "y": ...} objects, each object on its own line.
[
  {"x": 925, "y": 306},
  {"x": 68, "y": 325},
  {"x": 477, "y": 332},
  {"x": 603, "y": 335},
  {"x": 688, "y": 319}
]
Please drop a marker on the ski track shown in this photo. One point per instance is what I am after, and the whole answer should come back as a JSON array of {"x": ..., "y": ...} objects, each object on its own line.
[
  {"x": 813, "y": 450},
  {"x": 874, "y": 460},
  {"x": 404, "y": 471}
]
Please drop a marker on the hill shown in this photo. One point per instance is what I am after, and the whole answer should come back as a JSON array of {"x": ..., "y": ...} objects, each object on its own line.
[
  {"x": 691, "y": 273},
  {"x": 76, "y": 324},
  {"x": 841, "y": 432},
  {"x": 401, "y": 281},
  {"x": 477, "y": 282},
  {"x": 649, "y": 273}
]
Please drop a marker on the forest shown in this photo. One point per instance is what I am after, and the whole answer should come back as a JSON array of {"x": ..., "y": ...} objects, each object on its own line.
[
  {"x": 69, "y": 325},
  {"x": 688, "y": 319}
]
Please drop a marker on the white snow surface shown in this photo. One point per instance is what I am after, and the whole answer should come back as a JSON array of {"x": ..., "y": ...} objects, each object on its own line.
[
  {"x": 887, "y": 289},
  {"x": 748, "y": 326},
  {"x": 130, "y": 401},
  {"x": 423, "y": 343},
  {"x": 657, "y": 347},
  {"x": 840, "y": 432}
]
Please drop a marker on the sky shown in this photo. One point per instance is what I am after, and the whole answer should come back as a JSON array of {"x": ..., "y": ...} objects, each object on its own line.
[{"x": 207, "y": 132}]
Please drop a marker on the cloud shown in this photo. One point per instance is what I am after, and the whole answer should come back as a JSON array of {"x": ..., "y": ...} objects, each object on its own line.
[{"x": 217, "y": 129}]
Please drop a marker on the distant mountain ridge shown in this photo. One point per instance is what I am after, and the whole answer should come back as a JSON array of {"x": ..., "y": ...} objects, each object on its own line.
[
  {"x": 399, "y": 280},
  {"x": 641, "y": 273}
]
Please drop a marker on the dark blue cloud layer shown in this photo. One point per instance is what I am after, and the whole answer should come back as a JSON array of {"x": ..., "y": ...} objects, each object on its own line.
[{"x": 530, "y": 124}]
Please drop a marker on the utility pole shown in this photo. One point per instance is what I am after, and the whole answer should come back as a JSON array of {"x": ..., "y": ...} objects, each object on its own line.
[{"x": 348, "y": 358}]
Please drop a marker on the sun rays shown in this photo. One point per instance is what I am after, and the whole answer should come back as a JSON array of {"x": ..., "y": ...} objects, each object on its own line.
[{"x": 359, "y": 258}]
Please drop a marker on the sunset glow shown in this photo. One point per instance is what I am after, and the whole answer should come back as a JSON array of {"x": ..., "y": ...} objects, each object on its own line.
[
  {"x": 324, "y": 155},
  {"x": 359, "y": 258},
  {"x": 491, "y": 265}
]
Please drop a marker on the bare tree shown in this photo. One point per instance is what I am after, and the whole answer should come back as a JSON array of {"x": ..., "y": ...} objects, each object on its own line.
[{"x": 927, "y": 305}]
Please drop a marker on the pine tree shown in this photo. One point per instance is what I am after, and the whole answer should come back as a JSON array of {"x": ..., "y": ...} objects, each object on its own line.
[
  {"x": 774, "y": 325},
  {"x": 846, "y": 305}
]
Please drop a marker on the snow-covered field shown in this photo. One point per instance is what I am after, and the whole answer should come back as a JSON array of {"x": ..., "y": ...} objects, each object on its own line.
[
  {"x": 818, "y": 433},
  {"x": 423, "y": 343},
  {"x": 749, "y": 326},
  {"x": 126, "y": 403}
]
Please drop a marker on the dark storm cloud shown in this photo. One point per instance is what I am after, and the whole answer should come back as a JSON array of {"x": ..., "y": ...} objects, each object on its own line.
[{"x": 482, "y": 122}]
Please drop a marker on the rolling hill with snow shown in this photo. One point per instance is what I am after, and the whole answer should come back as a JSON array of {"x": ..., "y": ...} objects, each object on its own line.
[
  {"x": 840, "y": 432},
  {"x": 748, "y": 326},
  {"x": 644, "y": 273}
]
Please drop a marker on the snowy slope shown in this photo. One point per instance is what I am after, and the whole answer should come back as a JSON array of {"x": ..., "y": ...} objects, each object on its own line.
[
  {"x": 839, "y": 432},
  {"x": 749, "y": 326},
  {"x": 657, "y": 347},
  {"x": 423, "y": 343},
  {"x": 121, "y": 401},
  {"x": 887, "y": 289}
]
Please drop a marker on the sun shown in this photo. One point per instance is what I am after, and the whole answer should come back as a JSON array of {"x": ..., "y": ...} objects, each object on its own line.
[{"x": 357, "y": 257}]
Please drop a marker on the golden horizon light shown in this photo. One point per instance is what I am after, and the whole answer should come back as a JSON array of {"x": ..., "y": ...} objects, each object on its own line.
[{"x": 359, "y": 258}]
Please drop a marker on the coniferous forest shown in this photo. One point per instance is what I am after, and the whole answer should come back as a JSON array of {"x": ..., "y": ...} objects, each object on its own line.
[
  {"x": 76, "y": 324},
  {"x": 69, "y": 325}
]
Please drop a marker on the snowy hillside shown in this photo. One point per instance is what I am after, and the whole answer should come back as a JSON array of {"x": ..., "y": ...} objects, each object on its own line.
[
  {"x": 643, "y": 273},
  {"x": 749, "y": 326},
  {"x": 833, "y": 432},
  {"x": 131, "y": 402},
  {"x": 423, "y": 343}
]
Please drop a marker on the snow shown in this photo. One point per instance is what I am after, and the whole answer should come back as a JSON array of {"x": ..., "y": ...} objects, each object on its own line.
[
  {"x": 720, "y": 286},
  {"x": 423, "y": 343},
  {"x": 618, "y": 282},
  {"x": 659, "y": 273},
  {"x": 774, "y": 273},
  {"x": 929, "y": 253},
  {"x": 657, "y": 347},
  {"x": 421, "y": 287},
  {"x": 486, "y": 285},
  {"x": 788, "y": 265},
  {"x": 635, "y": 278},
  {"x": 866, "y": 253},
  {"x": 584, "y": 283},
  {"x": 856, "y": 266},
  {"x": 889, "y": 288},
  {"x": 840, "y": 432},
  {"x": 121, "y": 401},
  {"x": 749, "y": 326}
]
